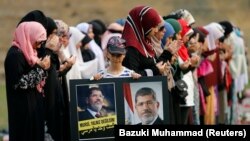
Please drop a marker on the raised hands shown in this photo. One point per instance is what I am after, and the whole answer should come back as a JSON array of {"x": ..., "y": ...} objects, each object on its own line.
[
  {"x": 174, "y": 46},
  {"x": 161, "y": 67},
  {"x": 44, "y": 62},
  {"x": 53, "y": 43}
]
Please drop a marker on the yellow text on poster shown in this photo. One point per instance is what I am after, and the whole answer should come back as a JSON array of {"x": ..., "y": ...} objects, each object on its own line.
[{"x": 97, "y": 123}]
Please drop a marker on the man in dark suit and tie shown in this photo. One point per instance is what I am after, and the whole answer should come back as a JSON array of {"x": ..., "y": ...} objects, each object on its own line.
[
  {"x": 95, "y": 109},
  {"x": 147, "y": 105},
  {"x": 94, "y": 102}
]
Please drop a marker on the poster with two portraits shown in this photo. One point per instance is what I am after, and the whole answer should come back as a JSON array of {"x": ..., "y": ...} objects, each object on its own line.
[{"x": 118, "y": 105}]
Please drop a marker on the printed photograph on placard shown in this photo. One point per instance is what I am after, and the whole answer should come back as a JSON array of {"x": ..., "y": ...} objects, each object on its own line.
[
  {"x": 143, "y": 102},
  {"x": 97, "y": 106},
  {"x": 96, "y": 111}
]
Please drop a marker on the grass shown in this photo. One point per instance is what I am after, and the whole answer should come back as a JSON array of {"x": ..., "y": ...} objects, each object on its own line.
[{"x": 3, "y": 108}]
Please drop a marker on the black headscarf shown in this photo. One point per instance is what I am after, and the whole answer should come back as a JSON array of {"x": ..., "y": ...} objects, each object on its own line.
[
  {"x": 51, "y": 26},
  {"x": 98, "y": 28},
  {"x": 37, "y": 16},
  {"x": 202, "y": 35},
  {"x": 227, "y": 26}
]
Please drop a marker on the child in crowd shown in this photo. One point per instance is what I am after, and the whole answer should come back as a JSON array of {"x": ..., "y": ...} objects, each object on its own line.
[{"x": 115, "y": 54}]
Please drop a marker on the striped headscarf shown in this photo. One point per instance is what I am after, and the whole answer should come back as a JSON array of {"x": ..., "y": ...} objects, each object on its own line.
[{"x": 140, "y": 22}]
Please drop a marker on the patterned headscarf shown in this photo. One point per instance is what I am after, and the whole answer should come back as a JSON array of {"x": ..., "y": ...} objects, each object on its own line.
[
  {"x": 139, "y": 23},
  {"x": 25, "y": 36},
  {"x": 62, "y": 28},
  {"x": 181, "y": 13}
]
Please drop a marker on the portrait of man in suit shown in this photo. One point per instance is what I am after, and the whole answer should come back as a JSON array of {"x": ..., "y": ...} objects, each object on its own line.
[
  {"x": 147, "y": 106},
  {"x": 96, "y": 115},
  {"x": 94, "y": 105}
]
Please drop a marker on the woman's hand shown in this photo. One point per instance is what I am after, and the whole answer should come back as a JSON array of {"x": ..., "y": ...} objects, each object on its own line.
[
  {"x": 195, "y": 59},
  {"x": 161, "y": 66},
  {"x": 174, "y": 46},
  {"x": 53, "y": 43},
  {"x": 185, "y": 65},
  {"x": 44, "y": 63},
  {"x": 71, "y": 61}
]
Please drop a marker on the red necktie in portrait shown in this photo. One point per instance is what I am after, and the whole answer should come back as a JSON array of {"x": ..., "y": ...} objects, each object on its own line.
[{"x": 98, "y": 115}]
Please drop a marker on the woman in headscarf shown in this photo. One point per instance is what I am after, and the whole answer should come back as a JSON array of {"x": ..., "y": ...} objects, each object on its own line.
[
  {"x": 55, "y": 101},
  {"x": 182, "y": 13},
  {"x": 67, "y": 61},
  {"x": 86, "y": 69},
  {"x": 87, "y": 28},
  {"x": 87, "y": 53},
  {"x": 25, "y": 77},
  {"x": 37, "y": 16},
  {"x": 142, "y": 23},
  {"x": 187, "y": 64},
  {"x": 213, "y": 79},
  {"x": 99, "y": 29}
]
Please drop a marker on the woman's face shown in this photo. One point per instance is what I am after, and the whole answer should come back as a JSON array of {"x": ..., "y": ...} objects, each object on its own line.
[
  {"x": 204, "y": 46},
  {"x": 178, "y": 36},
  {"x": 38, "y": 44},
  {"x": 169, "y": 40},
  {"x": 185, "y": 38},
  {"x": 152, "y": 33},
  {"x": 64, "y": 39},
  {"x": 161, "y": 31},
  {"x": 90, "y": 32}
]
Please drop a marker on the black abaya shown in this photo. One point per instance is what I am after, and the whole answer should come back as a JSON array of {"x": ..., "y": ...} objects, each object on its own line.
[{"x": 25, "y": 103}]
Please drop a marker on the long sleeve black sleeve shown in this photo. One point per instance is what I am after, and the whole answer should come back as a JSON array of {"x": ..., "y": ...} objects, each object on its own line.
[{"x": 139, "y": 63}]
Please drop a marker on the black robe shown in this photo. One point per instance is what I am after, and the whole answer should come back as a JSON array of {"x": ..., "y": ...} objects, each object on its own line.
[
  {"x": 25, "y": 103},
  {"x": 134, "y": 60},
  {"x": 56, "y": 111}
]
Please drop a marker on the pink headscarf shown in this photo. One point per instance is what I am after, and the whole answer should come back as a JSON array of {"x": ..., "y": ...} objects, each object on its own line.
[
  {"x": 139, "y": 23},
  {"x": 25, "y": 36}
]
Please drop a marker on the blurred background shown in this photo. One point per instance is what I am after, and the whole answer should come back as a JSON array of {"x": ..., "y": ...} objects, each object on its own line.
[{"x": 75, "y": 11}]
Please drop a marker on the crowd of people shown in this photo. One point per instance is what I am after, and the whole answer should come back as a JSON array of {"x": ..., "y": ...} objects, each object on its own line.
[{"x": 46, "y": 53}]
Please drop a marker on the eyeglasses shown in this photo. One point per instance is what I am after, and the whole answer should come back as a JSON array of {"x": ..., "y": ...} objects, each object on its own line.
[
  {"x": 64, "y": 34},
  {"x": 148, "y": 103},
  {"x": 161, "y": 28}
]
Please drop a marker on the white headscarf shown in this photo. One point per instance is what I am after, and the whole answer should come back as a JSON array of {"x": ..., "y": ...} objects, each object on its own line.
[
  {"x": 76, "y": 36},
  {"x": 83, "y": 27},
  {"x": 83, "y": 69},
  {"x": 215, "y": 32}
]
